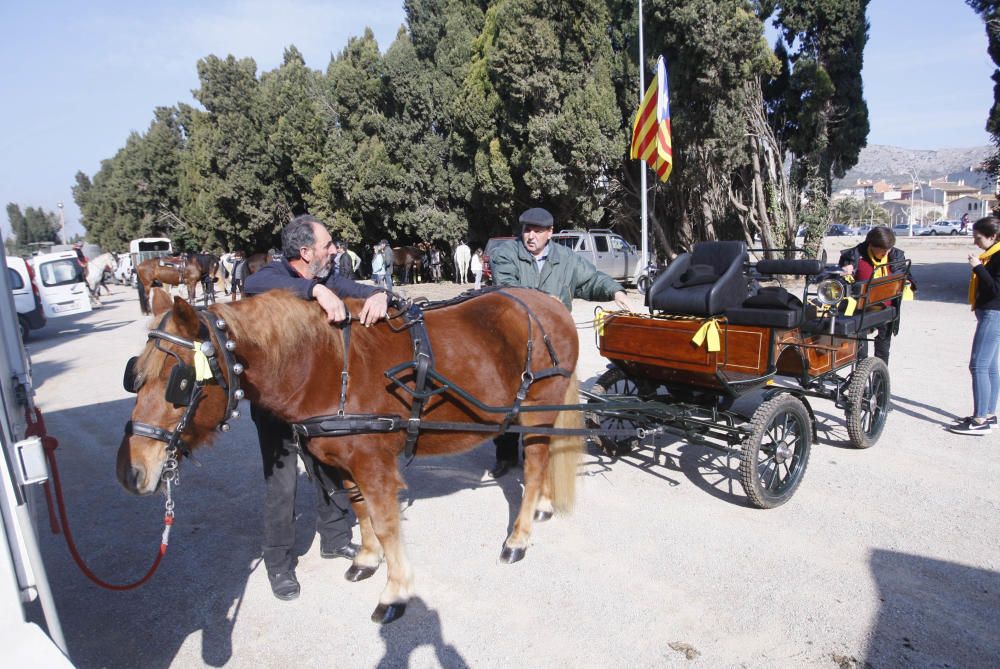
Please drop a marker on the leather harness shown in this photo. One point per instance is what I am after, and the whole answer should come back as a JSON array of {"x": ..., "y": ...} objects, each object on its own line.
[{"x": 427, "y": 382}]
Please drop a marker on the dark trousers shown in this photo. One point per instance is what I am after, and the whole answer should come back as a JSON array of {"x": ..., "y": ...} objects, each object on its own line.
[
  {"x": 883, "y": 339},
  {"x": 279, "y": 456},
  {"x": 507, "y": 447}
]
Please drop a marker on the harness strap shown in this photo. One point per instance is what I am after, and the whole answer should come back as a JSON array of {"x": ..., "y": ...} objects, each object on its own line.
[
  {"x": 344, "y": 375},
  {"x": 423, "y": 358}
]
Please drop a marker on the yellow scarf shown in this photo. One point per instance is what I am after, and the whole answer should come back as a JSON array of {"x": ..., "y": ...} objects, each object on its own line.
[
  {"x": 974, "y": 281},
  {"x": 879, "y": 267}
]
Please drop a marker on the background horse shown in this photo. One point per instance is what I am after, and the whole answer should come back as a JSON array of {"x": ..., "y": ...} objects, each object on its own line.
[
  {"x": 289, "y": 354},
  {"x": 244, "y": 267},
  {"x": 410, "y": 260},
  {"x": 173, "y": 271},
  {"x": 210, "y": 273},
  {"x": 97, "y": 272},
  {"x": 463, "y": 257}
]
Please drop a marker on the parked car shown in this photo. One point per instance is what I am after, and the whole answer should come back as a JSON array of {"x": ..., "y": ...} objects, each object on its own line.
[
  {"x": 605, "y": 249},
  {"x": 903, "y": 230},
  {"x": 60, "y": 281},
  {"x": 491, "y": 244},
  {"x": 840, "y": 230},
  {"x": 942, "y": 228},
  {"x": 27, "y": 301}
]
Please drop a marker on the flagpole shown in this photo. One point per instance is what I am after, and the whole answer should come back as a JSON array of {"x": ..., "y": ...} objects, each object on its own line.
[{"x": 644, "y": 257}]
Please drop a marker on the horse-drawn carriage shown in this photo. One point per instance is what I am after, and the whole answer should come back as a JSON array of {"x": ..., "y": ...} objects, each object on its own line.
[
  {"x": 440, "y": 378},
  {"x": 716, "y": 334}
]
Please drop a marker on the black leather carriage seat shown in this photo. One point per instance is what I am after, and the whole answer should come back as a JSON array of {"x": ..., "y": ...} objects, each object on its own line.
[
  {"x": 772, "y": 307},
  {"x": 847, "y": 326},
  {"x": 704, "y": 282}
]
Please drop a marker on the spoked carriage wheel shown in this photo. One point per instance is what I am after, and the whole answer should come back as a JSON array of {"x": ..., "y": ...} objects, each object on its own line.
[
  {"x": 615, "y": 382},
  {"x": 775, "y": 455},
  {"x": 868, "y": 402}
]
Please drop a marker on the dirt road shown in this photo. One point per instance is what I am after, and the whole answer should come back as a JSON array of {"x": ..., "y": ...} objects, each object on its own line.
[{"x": 886, "y": 557}]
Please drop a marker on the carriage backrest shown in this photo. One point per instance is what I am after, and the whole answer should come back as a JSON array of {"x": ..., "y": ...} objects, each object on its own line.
[{"x": 705, "y": 282}]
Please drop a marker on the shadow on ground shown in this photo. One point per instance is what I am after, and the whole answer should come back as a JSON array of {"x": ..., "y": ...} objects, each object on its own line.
[{"x": 933, "y": 613}]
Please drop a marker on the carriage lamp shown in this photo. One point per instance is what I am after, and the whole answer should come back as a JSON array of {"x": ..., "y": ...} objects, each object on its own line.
[{"x": 830, "y": 292}]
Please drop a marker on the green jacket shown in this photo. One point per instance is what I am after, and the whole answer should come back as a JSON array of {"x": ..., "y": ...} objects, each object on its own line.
[{"x": 565, "y": 274}]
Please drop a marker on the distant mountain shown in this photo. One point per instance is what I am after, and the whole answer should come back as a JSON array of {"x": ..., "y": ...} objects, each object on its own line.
[{"x": 894, "y": 164}]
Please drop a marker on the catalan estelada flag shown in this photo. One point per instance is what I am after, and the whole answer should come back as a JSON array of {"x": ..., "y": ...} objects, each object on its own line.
[{"x": 651, "y": 139}]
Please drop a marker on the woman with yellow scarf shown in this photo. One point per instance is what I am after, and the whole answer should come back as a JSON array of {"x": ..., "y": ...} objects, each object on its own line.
[
  {"x": 876, "y": 256},
  {"x": 984, "y": 296}
]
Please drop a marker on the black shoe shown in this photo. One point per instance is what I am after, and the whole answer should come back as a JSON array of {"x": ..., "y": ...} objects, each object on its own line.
[
  {"x": 346, "y": 551},
  {"x": 970, "y": 427},
  {"x": 991, "y": 421},
  {"x": 284, "y": 585},
  {"x": 501, "y": 468}
]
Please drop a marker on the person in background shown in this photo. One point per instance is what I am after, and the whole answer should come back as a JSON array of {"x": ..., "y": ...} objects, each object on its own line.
[
  {"x": 342, "y": 264},
  {"x": 532, "y": 262},
  {"x": 389, "y": 259},
  {"x": 378, "y": 265},
  {"x": 305, "y": 270},
  {"x": 984, "y": 297},
  {"x": 876, "y": 256},
  {"x": 476, "y": 266},
  {"x": 355, "y": 261}
]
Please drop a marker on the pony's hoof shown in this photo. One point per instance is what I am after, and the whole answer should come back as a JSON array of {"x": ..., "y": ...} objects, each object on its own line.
[
  {"x": 386, "y": 613},
  {"x": 542, "y": 516},
  {"x": 512, "y": 555},
  {"x": 356, "y": 573}
]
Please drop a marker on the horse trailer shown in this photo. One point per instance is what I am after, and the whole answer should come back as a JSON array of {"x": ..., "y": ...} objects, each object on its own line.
[{"x": 29, "y": 642}]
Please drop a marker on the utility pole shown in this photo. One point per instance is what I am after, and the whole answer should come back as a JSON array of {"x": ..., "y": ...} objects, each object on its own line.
[{"x": 62, "y": 221}]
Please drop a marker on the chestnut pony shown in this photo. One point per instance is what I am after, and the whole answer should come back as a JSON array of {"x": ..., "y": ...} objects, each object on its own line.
[{"x": 292, "y": 360}]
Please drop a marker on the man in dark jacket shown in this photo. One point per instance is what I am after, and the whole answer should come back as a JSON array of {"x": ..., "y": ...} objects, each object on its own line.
[
  {"x": 876, "y": 256},
  {"x": 304, "y": 270},
  {"x": 533, "y": 262}
]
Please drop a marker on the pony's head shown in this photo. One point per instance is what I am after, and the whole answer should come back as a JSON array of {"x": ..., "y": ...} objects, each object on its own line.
[{"x": 187, "y": 384}]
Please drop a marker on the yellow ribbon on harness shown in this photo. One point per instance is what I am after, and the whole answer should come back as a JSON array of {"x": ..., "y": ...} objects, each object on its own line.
[
  {"x": 708, "y": 334},
  {"x": 907, "y": 292},
  {"x": 202, "y": 370},
  {"x": 599, "y": 316},
  {"x": 974, "y": 281}
]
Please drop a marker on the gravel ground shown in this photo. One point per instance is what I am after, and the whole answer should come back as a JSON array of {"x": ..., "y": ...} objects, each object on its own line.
[{"x": 885, "y": 557}]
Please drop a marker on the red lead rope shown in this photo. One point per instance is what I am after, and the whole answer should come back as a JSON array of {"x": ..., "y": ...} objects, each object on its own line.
[{"x": 36, "y": 427}]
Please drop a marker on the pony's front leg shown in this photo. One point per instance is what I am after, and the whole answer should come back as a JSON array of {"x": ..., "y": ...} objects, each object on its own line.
[
  {"x": 536, "y": 461},
  {"x": 369, "y": 557},
  {"x": 380, "y": 482}
]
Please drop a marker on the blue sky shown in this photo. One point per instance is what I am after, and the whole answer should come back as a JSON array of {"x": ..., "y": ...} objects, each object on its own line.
[{"x": 80, "y": 76}]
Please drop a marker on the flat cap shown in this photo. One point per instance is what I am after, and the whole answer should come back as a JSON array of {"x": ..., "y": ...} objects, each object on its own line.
[{"x": 536, "y": 216}]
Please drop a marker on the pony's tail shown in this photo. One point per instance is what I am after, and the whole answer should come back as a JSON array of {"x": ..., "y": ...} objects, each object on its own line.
[
  {"x": 143, "y": 298},
  {"x": 564, "y": 453}
]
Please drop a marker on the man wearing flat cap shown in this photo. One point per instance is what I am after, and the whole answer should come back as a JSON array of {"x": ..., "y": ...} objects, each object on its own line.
[{"x": 532, "y": 262}]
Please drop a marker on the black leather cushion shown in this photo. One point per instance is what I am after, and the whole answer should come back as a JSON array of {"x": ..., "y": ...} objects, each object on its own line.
[
  {"x": 767, "y": 317},
  {"x": 697, "y": 275},
  {"x": 849, "y": 325},
  {"x": 773, "y": 297}
]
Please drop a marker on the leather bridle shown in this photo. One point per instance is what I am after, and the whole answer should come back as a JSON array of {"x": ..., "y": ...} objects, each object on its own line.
[{"x": 186, "y": 384}]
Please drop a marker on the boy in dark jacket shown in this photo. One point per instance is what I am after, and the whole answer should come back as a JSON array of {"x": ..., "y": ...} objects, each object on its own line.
[{"x": 876, "y": 256}]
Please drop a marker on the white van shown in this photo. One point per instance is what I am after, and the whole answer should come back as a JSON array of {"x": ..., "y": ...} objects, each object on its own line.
[
  {"x": 30, "y": 315},
  {"x": 61, "y": 286}
]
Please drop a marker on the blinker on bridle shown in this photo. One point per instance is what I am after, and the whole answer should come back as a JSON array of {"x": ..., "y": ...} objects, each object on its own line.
[{"x": 186, "y": 382}]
